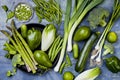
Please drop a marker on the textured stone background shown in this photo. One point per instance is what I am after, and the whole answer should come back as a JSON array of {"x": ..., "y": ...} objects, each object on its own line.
[{"x": 5, "y": 64}]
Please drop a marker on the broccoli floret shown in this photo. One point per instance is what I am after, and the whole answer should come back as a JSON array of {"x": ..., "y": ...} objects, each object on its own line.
[
  {"x": 109, "y": 49},
  {"x": 97, "y": 17}
]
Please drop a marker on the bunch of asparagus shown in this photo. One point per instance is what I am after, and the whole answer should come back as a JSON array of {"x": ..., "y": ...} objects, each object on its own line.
[{"x": 22, "y": 47}]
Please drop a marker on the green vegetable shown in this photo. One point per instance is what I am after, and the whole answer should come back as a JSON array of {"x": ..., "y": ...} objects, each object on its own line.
[
  {"x": 23, "y": 30},
  {"x": 10, "y": 15},
  {"x": 109, "y": 49},
  {"x": 11, "y": 73},
  {"x": 23, "y": 12},
  {"x": 80, "y": 65},
  {"x": 5, "y": 8},
  {"x": 42, "y": 58},
  {"x": 66, "y": 63},
  {"x": 55, "y": 48},
  {"x": 22, "y": 48},
  {"x": 89, "y": 74},
  {"x": 16, "y": 60},
  {"x": 62, "y": 53},
  {"x": 62, "y": 67},
  {"x": 68, "y": 76},
  {"x": 113, "y": 64},
  {"x": 97, "y": 17},
  {"x": 49, "y": 10},
  {"x": 97, "y": 52},
  {"x": 82, "y": 33},
  {"x": 33, "y": 38},
  {"x": 75, "y": 50},
  {"x": 112, "y": 37},
  {"x": 71, "y": 24},
  {"x": 42, "y": 67},
  {"x": 10, "y": 48},
  {"x": 83, "y": 9},
  {"x": 48, "y": 36}
]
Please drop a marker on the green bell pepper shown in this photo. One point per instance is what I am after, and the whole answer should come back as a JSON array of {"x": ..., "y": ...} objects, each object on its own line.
[
  {"x": 33, "y": 38},
  {"x": 113, "y": 64},
  {"x": 42, "y": 58}
]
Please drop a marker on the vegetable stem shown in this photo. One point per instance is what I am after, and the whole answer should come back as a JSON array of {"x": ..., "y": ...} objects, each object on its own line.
[
  {"x": 18, "y": 49},
  {"x": 24, "y": 42}
]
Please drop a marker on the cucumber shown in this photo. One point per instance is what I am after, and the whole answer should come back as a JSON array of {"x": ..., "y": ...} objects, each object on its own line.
[
  {"x": 80, "y": 65},
  {"x": 75, "y": 50}
]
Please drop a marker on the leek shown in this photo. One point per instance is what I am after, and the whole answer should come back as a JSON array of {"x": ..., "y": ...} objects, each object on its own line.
[
  {"x": 67, "y": 18},
  {"x": 85, "y": 9},
  {"x": 90, "y": 74}
]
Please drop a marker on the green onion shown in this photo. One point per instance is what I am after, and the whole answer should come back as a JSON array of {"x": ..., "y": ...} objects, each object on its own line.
[
  {"x": 84, "y": 11},
  {"x": 67, "y": 18}
]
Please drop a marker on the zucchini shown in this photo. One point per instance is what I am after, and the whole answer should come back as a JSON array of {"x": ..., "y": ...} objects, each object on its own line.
[{"x": 80, "y": 65}]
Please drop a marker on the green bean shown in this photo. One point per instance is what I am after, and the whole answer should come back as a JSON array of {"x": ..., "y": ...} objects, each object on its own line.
[
  {"x": 62, "y": 67},
  {"x": 68, "y": 60}
]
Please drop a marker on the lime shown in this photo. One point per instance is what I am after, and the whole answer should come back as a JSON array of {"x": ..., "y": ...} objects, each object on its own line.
[
  {"x": 82, "y": 33},
  {"x": 112, "y": 37},
  {"x": 68, "y": 76}
]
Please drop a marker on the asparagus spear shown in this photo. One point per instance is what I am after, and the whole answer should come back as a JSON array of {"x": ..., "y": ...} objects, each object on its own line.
[
  {"x": 23, "y": 41},
  {"x": 24, "y": 52},
  {"x": 21, "y": 45},
  {"x": 18, "y": 49}
]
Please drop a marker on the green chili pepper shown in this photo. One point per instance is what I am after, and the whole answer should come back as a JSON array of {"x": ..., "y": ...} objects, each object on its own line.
[{"x": 113, "y": 64}]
